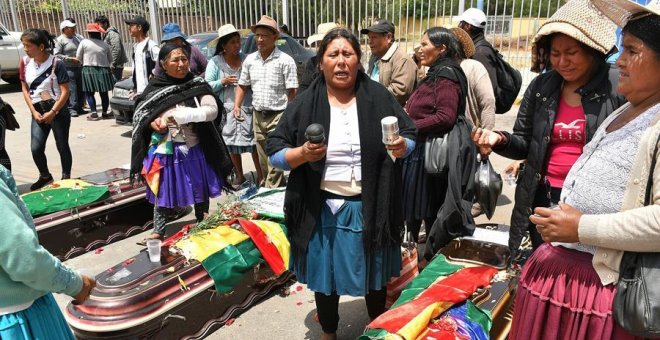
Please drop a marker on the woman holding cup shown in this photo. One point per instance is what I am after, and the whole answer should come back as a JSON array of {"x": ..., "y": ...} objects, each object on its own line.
[{"x": 343, "y": 198}]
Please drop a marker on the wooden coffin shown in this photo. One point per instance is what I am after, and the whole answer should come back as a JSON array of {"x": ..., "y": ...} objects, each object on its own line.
[
  {"x": 173, "y": 299},
  {"x": 488, "y": 247},
  {"x": 71, "y": 233}
]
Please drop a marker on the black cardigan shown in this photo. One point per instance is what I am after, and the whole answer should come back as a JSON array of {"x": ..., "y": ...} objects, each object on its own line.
[{"x": 382, "y": 206}]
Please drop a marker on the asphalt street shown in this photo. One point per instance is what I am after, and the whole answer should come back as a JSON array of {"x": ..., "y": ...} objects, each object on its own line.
[{"x": 101, "y": 145}]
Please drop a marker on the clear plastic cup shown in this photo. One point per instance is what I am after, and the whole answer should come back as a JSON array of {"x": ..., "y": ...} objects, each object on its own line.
[
  {"x": 510, "y": 179},
  {"x": 153, "y": 246}
]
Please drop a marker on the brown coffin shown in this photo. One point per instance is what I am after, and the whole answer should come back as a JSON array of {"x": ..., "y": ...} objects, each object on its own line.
[
  {"x": 498, "y": 298},
  {"x": 71, "y": 233},
  {"x": 138, "y": 299}
]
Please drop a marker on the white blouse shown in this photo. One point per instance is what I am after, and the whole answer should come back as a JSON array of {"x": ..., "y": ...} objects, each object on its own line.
[{"x": 343, "y": 158}]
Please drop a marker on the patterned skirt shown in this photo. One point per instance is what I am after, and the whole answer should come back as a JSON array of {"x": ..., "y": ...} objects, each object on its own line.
[
  {"x": 560, "y": 296},
  {"x": 336, "y": 261},
  {"x": 185, "y": 179},
  {"x": 97, "y": 79}
]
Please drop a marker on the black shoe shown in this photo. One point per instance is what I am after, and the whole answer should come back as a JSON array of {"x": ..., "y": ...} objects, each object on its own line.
[
  {"x": 93, "y": 117},
  {"x": 105, "y": 115},
  {"x": 66, "y": 176},
  {"x": 41, "y": 182}
]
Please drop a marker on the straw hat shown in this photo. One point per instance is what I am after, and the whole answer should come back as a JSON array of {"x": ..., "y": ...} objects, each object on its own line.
[
  {"x": 578, "y": 20},
  {"x": 464, "y": 39},
  {"x": 622, "y": 11},
  {"x": 321, "y": 31},
  {"x": 223, "y": 31}
]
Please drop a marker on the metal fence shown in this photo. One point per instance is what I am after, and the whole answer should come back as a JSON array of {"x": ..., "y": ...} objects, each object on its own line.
[{"x": 511, "y": 23}]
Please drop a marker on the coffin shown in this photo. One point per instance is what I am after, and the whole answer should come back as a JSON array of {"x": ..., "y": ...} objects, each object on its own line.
[
  {"x": 71, "y": 233},
  {"x": 172, "y": 299},
  {"x": 489, "y": 246},
  {"x": 445, "y": 300}
]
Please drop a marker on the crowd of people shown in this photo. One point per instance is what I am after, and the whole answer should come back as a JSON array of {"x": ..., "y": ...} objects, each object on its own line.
[{"x": 587, "y": 131}]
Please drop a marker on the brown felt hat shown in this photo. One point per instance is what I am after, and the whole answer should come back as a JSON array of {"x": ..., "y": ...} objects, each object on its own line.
[{"x": 267, "y": 22}]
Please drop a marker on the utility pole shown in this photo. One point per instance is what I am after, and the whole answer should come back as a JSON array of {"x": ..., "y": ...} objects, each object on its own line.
[
  {"x": 285, "y": 12},
  {"x": 65, "y": 9},
  {"x": 153, "y": 21}
]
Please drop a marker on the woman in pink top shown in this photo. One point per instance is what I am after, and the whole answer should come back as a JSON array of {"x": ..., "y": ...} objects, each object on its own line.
[{"x": 560, "y": 110}]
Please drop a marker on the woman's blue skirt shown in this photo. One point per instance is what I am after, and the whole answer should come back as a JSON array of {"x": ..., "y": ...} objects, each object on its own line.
[
  {"x": 43, "y": 320},
  {"x": 336, "y": 260}
]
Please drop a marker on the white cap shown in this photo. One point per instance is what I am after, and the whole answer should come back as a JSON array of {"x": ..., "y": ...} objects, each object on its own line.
[
  {"x": 474, "y": 17},
  {"x": 66, "y": 23}
]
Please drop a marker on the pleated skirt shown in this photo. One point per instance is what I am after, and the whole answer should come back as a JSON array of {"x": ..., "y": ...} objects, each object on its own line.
[
  {"x": 336, "y": 260},
  {"x": 422, "y": 194},
  {"x": 97, "y": 79},
  {"x": 43, "y": 320},
  {"x": 560, "y": 296},
  {"x": 185, "y": 179}
]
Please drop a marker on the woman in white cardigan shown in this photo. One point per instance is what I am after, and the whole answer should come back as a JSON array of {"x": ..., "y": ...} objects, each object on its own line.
[{"x": 571, "y": 281}]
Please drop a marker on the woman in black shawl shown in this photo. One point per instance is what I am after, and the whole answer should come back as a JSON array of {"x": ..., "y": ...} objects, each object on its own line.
[
  {"x": 343, "y": 198},
  {"x": 176, "y": 147},
  {"x": 438, "y": 106}
]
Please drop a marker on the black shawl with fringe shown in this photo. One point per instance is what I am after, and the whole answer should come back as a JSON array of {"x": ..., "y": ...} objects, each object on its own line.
[
  {"x": 382, "y": 206},
  {"x": 161, "y": 94}
]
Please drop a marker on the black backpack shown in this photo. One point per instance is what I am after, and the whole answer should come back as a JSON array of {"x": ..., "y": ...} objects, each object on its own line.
[{"x": 509, "y": 81}]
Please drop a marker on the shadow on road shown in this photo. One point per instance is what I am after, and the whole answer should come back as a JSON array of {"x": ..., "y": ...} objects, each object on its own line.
[{"x": 352, "y": 320}]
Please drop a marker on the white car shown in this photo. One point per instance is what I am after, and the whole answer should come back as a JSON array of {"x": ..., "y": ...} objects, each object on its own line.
[{"x": 11, "y": 52}]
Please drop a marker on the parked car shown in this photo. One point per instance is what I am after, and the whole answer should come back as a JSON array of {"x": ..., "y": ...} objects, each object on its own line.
[
  {"x": 122, "y": 105},
  {"x": 11, "y": 52}
]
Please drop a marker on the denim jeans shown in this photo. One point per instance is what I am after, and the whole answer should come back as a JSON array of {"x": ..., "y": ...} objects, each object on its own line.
[
  {"x": 76, "y": 95},
  {"x": 117, "y": 73},
  {"x": 60, "y": 126}
]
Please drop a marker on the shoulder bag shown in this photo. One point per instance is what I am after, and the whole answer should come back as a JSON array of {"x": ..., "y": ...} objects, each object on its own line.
[
  {"x": 436, "y": 146},
  {"x": 636, "y": 306}
]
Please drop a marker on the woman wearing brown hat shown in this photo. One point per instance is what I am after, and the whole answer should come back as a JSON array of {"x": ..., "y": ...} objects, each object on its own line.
[
  {"x": 560, "y": 110},
  {"x": 611, "y": 204}
]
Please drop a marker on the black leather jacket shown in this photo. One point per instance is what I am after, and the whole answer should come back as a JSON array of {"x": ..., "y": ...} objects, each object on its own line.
[{"x": 533, "y": 128}]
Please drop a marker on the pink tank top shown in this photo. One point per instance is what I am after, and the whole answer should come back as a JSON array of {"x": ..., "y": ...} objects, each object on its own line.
[{"x": 566, "y": 142}]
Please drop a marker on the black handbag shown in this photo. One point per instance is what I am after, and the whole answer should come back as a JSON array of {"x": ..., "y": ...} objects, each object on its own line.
[
  {"x": 7, "y": 112},
  {"x": 636, "y": 306},
  {"x": 435, "y": 155},
  {"x": 436, "y": 162}
]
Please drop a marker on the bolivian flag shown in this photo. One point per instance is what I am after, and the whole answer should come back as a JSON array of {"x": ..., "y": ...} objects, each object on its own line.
[
  {"x": 161, "y": 143},
  {"x": 439, "y": 287},
  {"x": 229, "y": 251}
]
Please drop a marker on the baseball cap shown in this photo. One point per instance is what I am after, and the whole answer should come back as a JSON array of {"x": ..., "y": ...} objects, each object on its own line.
[
  {"x": 138, "y": 20},
  {"x": 379, "y": 26},
  {"x": 473, "y": 16},
  {"x": 172, "y": 30},
  {"x": 66, "y": 23}
]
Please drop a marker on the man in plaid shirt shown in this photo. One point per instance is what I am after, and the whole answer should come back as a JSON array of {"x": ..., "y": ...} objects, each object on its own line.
[{"x": 272, "y": 76}]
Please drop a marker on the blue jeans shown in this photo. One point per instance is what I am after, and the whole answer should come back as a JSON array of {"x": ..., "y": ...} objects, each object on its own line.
[
  {"x": 60, "y": 126},
  {"x": 76, "y": 95}
]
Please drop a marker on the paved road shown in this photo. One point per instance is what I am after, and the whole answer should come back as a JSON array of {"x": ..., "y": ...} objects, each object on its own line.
[{"x": 101, "y": 145}]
